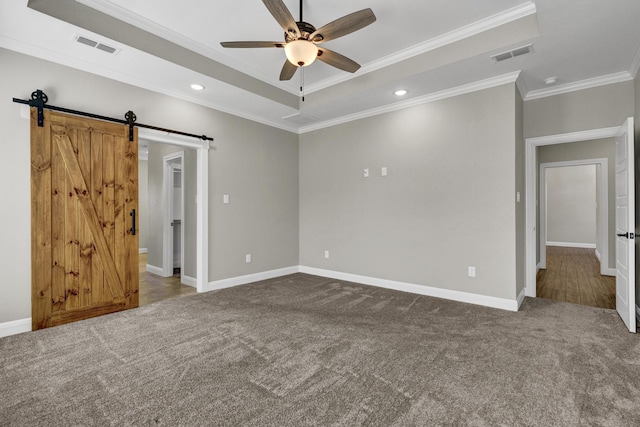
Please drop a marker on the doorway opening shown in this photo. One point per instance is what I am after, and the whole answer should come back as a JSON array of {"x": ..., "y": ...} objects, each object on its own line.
[
  {"x": 162, "y": 222},
  {"x": 624, "y": 212},
  {"x": 574, "y": 231},
  {"x": 173, "y": 216},
  {"x": 186, "y": 169}
]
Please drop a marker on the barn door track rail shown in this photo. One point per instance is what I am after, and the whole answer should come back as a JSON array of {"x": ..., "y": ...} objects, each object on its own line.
[{"x": 39, "y": 100}]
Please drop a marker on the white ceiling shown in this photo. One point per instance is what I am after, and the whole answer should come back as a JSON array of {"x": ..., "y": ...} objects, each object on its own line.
[{"x": 429, "y": 47}]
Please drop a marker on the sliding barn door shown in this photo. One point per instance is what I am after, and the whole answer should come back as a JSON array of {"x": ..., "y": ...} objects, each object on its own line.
[{"x": 84, "y": 189}]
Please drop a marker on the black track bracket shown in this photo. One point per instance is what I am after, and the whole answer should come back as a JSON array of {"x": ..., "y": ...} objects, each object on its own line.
[
  {"x": 38, "y": 99},
  {"x": 131, "y": 120}
]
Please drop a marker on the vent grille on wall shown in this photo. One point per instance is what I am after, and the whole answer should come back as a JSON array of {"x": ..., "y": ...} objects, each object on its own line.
[
  {"x": 523, "y": 50},
  {"x": 92, "y": 43}
]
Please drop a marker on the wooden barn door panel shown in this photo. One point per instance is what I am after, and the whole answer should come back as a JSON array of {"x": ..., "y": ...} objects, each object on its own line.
[{"x": 84, "y": 187}]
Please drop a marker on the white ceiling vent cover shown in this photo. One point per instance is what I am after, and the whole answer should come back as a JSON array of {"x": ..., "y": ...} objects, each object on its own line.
[
  {"x": 522, "y": 50},
  {"x": 92, "y": 43},
  {"x": 300, "y": 118}
]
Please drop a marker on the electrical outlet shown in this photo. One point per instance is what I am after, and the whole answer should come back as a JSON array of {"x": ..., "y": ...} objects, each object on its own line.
[
  {"x": 326, "y": 254},
  {"x": 248, "y": 258},
  {"x": 383, "y": 171},
  {"x": 472, "y": 271}
]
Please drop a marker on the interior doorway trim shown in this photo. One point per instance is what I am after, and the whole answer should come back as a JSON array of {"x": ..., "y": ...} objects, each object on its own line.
[
  {"x": 530, "y": 177},
  {"x": 202, "y": 196},
  {"x": 168, "y": 226},
  {"x": 603, "y": 208}
]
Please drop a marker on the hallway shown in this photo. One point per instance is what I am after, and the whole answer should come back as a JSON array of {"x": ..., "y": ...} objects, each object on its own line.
[
  {"x": 573, "y": 275},
  {"x": 154, "y": 288}
]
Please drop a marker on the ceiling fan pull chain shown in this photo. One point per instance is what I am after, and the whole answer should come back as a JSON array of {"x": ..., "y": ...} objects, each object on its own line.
[{"x": 302, "y": 84}]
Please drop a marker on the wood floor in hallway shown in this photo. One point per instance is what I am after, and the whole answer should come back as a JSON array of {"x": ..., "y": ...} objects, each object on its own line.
[
  {"x": 573, "y": 275},
  {"x": 154, "y": 288}
]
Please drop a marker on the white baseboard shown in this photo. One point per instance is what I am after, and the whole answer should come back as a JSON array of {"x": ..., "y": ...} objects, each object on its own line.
[
  {"x": 143, "y": 250},
  {"x": 494, "y": 302},
  {"x": 15, "y": 327},
  {"x": 521, "y": 296},
  {"x": 189, "y": 281},
  {"x": 249, "y": 278},
  {"x": 573, "y": 245},
  {"x": 155, "y": 270},
  {"x": 605, "y": 271},
  {"x": 538, "y": 267}
]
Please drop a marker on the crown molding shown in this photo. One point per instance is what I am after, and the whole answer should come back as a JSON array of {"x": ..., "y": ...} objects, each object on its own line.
[
  {"x": 432, "y": 97},
  {"x": 494, "y": 21},
  {"x": 623, "y": 76},
  {"x": 522, "y": 85},
  {"x": 635, "y": 64}
]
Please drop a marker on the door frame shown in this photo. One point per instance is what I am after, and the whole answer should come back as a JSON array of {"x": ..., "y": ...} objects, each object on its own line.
[
  {"x": 202, "y": 196},
  {"x": 531, "y": 214},
  {"x": 603, "y": 208},
  {"x": 167, "y": 213}
]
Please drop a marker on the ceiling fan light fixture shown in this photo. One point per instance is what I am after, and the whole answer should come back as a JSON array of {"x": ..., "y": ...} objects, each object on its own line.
[{"x": 301, "y": 53}]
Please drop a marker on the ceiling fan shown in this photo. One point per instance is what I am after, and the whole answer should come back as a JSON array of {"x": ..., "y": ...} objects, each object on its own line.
[{"x": 301, "y": 39}]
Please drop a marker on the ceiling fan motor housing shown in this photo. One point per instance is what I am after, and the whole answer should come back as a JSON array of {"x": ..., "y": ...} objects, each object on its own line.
[{"x": 306, "y": 30}]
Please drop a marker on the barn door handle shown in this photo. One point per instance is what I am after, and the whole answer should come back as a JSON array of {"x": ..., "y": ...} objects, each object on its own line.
[{"x": 133, "y": 222}]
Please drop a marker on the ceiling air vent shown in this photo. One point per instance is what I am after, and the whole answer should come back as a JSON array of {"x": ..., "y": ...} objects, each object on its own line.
[
  {"x": 300, "y": 119},
  {"x": 522, "y": 50},
  {"x": 92, "y": 43}
]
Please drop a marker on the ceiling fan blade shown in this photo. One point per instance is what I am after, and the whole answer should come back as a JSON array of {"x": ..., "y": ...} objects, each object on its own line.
[
  {"x": 339, "y": 61},
  {"x": 345, "y": 25},
  {"x": 283, "y": 16},
  {"x": 252, "y": 44},
  {"x": 288, "y": 70}
]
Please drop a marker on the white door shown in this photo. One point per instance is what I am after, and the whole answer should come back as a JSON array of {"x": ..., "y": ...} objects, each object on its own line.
[{"x": 625, "y": 226}]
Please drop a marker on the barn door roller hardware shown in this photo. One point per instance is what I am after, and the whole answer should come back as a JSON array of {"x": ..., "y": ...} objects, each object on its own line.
[{"x": 39, "y": 100}]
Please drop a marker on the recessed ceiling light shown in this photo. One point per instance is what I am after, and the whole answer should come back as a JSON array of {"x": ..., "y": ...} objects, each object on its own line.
[
  {"x": 196, "y": 86},
  {"x": 550, "y": 80},
  {"x": 400, "y": 92}
]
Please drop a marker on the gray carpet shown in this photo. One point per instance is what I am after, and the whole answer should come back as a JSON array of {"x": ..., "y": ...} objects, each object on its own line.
[{"x": 304, "y": 350}]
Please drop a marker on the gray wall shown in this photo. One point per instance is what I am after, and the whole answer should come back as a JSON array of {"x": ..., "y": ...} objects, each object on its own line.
[
  {"x": 594, "y": 108},
  {"x": 143, "y": 203},
  {"x": 254, "y": 163},
  {"x": 571, "y": 204},
  {"x": 448, "y": 201},
  {"x": 600, "y": 148},
  {"x": 262, "y": 183}
]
